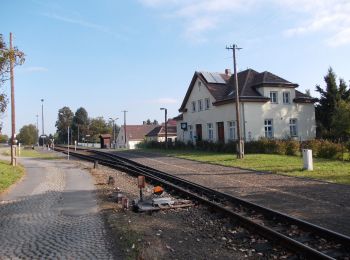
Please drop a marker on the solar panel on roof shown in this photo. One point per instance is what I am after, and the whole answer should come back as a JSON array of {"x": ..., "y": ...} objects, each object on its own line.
[
  {"x": 218, "y": 78},
  {"x": 214, "y": 78},
  {"x": 208, "y": 77}
]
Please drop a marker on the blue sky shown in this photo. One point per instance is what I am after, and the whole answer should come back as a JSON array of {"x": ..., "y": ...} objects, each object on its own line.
[{"x": 140, "y": 55}]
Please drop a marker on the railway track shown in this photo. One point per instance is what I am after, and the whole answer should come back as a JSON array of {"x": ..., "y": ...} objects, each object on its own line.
[{"x": 307, "y": 240}]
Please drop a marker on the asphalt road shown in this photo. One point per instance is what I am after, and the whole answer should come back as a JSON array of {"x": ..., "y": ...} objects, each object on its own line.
[{"x": 52, "y": 213}]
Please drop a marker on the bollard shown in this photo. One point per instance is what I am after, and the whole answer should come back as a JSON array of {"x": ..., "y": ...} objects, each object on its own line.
[
  {"x": 95, "y": 164},
  {"x": 307, "y": 158}
]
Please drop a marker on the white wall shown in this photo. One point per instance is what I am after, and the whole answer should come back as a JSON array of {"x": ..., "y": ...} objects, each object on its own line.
[
  {"x": 252, "y": 116},
  {"x": 120, "y": 138}
]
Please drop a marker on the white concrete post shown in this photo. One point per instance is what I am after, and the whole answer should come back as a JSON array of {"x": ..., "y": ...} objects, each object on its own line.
[{"x": 308, "y": 162}]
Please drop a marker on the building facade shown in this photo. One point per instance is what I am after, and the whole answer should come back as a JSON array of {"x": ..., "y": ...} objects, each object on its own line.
[
  {"x": 134, "y": 135},
  {"x": 158, "y": 133},
  {"x": 270, "y": 107}
]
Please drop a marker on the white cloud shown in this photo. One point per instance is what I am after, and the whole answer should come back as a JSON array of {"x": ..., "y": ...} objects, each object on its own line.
[
  {"x": 76, "y": 21},
  {"x": 81, "y": 22},
  {"x": 331, "y": 16},
  {"x": 199, "y": 17},
  {"x": 34, "y": 69}
]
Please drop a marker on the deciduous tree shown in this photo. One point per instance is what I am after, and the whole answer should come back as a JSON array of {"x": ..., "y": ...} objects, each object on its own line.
[
  {"x": 64, "y": 119},
  {"x": 5, "y": 56},
  {"x": 99, "y": 126},
  {"x": 80, "y": 123},
  {"x": 28, "y": 135}
]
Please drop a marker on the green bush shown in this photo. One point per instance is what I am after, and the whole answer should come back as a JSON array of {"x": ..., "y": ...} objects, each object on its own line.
[
  {"x": 313, "y": 145},
  {"x": 292, "y": 147},
  {"x": 330, "y": 150},
  {"x": 320, "y": 148},
  {"x": 324, "y": 148}
]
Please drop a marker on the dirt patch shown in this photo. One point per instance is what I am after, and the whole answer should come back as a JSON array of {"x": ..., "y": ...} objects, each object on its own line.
[{"x": 188, "y": 233}]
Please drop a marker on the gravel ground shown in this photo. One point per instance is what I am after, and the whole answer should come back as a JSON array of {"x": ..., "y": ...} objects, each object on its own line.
[
  {"x": 190, "y": 233},
  {"x": 321, "y": 203}
]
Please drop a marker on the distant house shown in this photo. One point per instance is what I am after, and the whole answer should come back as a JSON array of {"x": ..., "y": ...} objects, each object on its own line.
[
  {"x": 270, "y": 107},
  {"x": 134, "y": 135},
  {"x": 105, "y": 140},
  {"x": 158, "y": 133}
]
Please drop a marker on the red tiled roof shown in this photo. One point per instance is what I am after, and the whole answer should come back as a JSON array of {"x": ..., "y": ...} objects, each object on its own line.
[
  {"x": 137, "y": 132},
  {"x": 179, "y": 117},
  {"x": 160, "y": 131}
]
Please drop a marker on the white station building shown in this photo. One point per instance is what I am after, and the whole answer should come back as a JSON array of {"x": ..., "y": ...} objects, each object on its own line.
[{"x": 270, "y": 107}]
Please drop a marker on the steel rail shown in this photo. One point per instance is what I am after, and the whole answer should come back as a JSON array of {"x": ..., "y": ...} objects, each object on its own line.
[
  {"x": 210, "y": 197},
  {"x": 225, "y": 196}
]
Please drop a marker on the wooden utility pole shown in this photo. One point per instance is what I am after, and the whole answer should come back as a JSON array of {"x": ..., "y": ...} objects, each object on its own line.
[
  {"x": 240, "y": 142},
  {"x": 124, "y": 111},
  {"x": 13, "y": 114}
]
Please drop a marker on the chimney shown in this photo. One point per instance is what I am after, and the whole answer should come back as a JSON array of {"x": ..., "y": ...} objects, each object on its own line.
[{"x": 228, "y": 72}]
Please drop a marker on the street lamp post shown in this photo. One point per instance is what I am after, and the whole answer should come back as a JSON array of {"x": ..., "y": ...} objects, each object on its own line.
[
  {"x": 166, "y": 126},
  {"x": 114, "y": 124}
]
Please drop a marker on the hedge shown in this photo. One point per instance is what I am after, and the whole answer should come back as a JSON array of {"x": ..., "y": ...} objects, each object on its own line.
[{"x": 320, "y": 148}]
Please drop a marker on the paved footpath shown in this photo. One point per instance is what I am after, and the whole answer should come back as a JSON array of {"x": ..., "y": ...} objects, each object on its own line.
[{"x": 52, "y": 214}]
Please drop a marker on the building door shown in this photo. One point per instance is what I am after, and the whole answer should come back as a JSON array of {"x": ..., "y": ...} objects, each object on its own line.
[
  {"x": 199, "y": 132},
  {"x": 221, "y": 132}
]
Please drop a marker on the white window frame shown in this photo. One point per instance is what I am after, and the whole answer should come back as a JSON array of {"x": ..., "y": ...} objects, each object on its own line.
[
  {"x": 285, "y": 95},
  {"x": 231, "y": 125},
  {"x": 293, "y": 127},
  {"x": 200, "y": 105},
  {"x": 193, "y": 106},
  {"x": 268, "y": 128},
  {"x": 210, "y": 127},
  {"x": 271, "y": 97},
  {"x": 207, "y": 103}
]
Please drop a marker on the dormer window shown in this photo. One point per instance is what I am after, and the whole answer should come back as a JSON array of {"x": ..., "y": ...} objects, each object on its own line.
[
  {"x": 286, "y": 97},
  {"x": 274, "y": 97}
]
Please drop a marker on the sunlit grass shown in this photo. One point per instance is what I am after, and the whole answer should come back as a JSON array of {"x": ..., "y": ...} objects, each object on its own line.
[
  {"x": 33, "y": 154},
  {"x": 9, "y": 174},
  {"x": 329, "y": 170}
]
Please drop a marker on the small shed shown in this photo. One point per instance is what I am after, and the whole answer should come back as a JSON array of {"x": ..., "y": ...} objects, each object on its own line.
[{"x": 105, "y": 140}]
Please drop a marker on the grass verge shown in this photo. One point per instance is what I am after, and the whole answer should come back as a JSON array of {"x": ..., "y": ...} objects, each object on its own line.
[
  {"x": 33, "y": 154},
  {"x": 324, "y": 169},
  {"x": 9, "y": 175}
]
